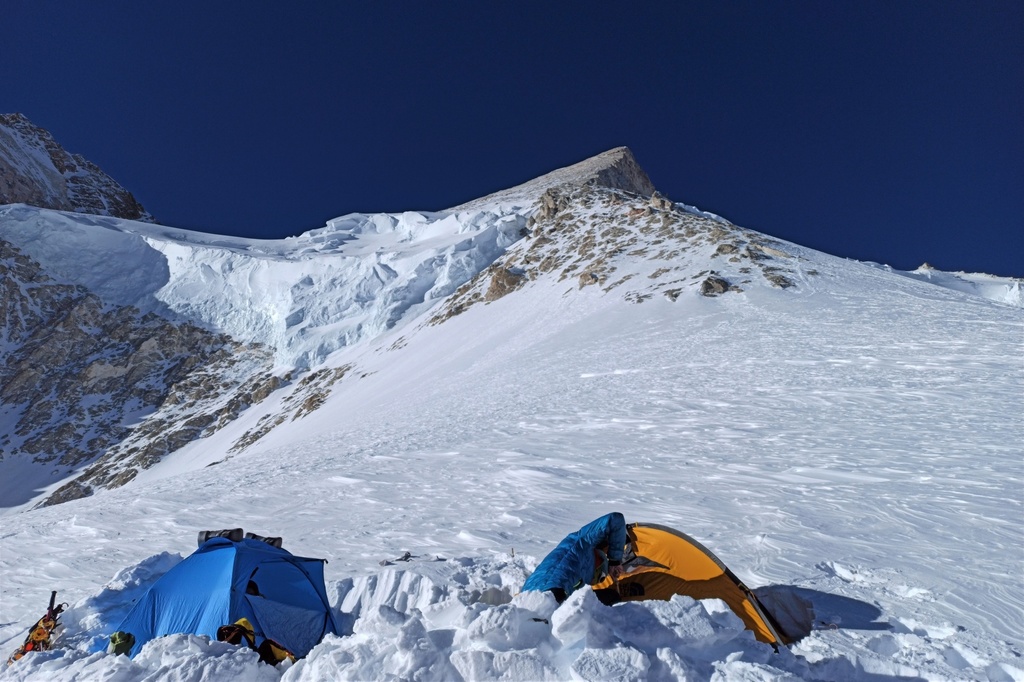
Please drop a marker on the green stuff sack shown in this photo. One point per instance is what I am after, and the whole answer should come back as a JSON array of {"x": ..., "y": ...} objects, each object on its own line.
[{"x": 121, "y": 643}]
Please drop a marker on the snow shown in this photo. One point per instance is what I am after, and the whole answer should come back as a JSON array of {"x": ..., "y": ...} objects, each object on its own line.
[
  {"x": 693, "y": 210},
  {"x": 855, "y": 440},
  {"x": 305, "y": 296},
  {"x": 1001, "y": 289}
]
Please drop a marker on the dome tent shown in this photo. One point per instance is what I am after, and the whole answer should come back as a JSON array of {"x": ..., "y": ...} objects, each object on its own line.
[
  {"x": 282, "y": 595},
  {"x": 661, "y": 561}
]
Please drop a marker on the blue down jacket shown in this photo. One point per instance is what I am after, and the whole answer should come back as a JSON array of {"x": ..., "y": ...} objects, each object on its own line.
[{"x": 572, "y": 563}]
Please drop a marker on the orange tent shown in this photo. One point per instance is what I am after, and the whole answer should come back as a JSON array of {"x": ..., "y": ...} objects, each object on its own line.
[{"x": 661, "y": 562}]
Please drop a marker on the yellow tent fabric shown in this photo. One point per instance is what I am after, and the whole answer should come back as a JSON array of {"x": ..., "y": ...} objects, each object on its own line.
[{"x": 664, "y": 562}]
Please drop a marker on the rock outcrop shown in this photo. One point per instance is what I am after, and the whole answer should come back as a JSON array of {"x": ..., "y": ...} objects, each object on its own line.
[
  {"x": 614, "y": 169},
  {"x": 106, "y": 388},
  {"x": 597, "y": 235},
  {"x": 36, "y": 170}
]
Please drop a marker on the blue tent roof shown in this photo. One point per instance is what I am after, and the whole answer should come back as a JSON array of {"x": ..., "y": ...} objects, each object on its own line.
[{"x": 215, "y": 586}]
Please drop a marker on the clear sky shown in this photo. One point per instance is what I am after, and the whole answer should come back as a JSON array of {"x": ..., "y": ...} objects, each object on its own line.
[{"x": 884, "y": 131}]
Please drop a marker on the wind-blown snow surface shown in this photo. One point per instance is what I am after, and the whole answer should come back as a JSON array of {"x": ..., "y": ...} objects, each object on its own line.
[{"x": 856, "y": 439}]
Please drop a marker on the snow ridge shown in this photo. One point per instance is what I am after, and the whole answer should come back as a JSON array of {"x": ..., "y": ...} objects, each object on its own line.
[
  {"x": 305, "y": 296},
  {"x": 1008, "y": 290}
]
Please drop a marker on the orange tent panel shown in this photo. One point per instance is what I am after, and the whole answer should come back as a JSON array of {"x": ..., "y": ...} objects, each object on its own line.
[{"x": 664, "y": 562}]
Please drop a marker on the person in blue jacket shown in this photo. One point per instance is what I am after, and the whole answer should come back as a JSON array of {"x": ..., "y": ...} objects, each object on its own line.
[{"x": 583, "y": 558}]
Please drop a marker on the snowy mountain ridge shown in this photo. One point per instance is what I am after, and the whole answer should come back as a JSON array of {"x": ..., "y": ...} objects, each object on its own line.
[
  {"x": 347, "y": 282},
  {"x": 358, "y": 275},
  {"x": 825, "y": 426},
  {"x": 597, "y": 223}
]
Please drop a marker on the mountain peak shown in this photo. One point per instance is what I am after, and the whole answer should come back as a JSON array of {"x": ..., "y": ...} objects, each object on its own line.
[
  {"x": 35, "y": 169},
  {"x": 615, "y": 169}
]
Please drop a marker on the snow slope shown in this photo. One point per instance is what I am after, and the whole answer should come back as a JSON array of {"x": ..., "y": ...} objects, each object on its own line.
[
  {"x": 856, "y": 439},
  {"x": 831, "y": 429}
]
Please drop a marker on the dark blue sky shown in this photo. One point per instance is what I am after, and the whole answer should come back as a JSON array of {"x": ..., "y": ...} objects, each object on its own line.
[{"x": 885, "y": 131}]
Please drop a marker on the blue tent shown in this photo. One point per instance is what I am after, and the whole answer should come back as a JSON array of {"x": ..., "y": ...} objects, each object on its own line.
[{"x": 282, "y": 595}]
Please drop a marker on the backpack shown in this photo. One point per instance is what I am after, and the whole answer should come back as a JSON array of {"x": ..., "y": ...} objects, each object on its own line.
[{"x": 269, "y": 651}]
